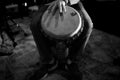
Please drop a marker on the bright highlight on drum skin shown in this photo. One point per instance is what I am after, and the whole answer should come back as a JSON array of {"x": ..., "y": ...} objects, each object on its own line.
[{"x": 79, "y": 26}]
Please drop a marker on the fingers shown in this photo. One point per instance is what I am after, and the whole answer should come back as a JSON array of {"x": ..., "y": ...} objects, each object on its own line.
[
  {"x": 50, "y": 7},
  {"x": 57, "y": 8},
  {"x": 53, "y": 11},
  {"x": 62, "y": 6},
  {"x": 50, "y": 12},
  {"x": 58, "y": 4}
]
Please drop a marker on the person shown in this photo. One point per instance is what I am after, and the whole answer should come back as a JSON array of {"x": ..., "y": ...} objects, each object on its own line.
[
  {"x": 4, "y": 27},
  {"x": 47, "y": 47}
]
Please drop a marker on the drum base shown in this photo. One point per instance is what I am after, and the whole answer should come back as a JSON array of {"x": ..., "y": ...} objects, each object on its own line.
[{"x": 56, "y": 75}]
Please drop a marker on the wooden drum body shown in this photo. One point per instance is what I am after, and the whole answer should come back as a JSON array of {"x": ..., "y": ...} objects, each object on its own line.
[
  {"x": 61, "y": 36},
  {"x": 67, "y": 28}
]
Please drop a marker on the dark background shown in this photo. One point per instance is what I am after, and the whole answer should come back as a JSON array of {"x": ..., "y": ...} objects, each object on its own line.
[{"x": 104, "y": 13}]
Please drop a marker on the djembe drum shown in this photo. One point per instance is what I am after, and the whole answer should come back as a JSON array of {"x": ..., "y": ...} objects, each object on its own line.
[{"x": 63, "y": 34}]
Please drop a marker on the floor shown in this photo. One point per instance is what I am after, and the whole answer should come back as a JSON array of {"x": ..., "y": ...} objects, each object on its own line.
[{"x": 99, "y": 62}]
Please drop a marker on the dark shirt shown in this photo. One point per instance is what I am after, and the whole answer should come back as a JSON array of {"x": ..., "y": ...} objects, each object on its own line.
[
  {"x": 42, "y": 2},
  {"x": 2, "y": 13}
]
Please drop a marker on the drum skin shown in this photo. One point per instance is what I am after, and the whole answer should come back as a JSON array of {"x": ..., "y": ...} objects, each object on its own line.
[{"x": 66, "y": 27}]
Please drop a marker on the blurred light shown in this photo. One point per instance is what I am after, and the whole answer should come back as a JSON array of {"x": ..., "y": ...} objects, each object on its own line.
[
  {"x": 34, "y": 1},
  {"x": 25, "y": 4}
]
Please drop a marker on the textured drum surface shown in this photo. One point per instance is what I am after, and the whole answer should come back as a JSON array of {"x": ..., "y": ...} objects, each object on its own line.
[{"x": 65, "y": 26}]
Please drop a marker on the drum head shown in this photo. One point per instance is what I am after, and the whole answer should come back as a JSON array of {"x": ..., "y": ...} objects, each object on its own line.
[{"x": 66, "y": 27}]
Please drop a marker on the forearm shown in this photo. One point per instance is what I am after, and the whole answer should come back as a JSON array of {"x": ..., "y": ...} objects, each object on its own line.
[{"x": 86, "y": 15}]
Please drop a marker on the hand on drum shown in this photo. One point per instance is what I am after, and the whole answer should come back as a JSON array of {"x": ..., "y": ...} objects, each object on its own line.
[
  {"x": 58, "y": 5},
  {"x": 56, "y": 9}
]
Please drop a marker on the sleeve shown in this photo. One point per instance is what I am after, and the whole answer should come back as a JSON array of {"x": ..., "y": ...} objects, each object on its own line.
[{"x": 72, "y": 2}]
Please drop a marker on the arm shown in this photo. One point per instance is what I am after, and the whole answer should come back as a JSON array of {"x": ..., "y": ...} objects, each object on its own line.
[
  {"x": 88, "y": 24},
  {"x": 86, "y": 15}
]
